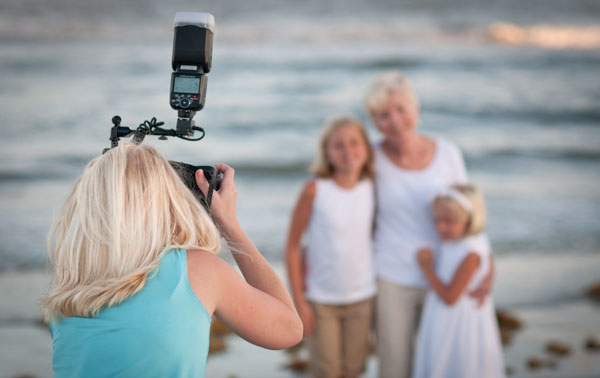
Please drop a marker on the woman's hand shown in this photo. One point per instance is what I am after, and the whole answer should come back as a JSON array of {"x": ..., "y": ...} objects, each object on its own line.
[
  {"x": 481, "y": 293},
  {"x": 425, "y": 258},
  {"x": 224, "y": 201}
]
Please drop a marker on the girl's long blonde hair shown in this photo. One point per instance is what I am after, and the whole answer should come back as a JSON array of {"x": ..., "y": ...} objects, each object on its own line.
[{"x": 125, "y": 211}]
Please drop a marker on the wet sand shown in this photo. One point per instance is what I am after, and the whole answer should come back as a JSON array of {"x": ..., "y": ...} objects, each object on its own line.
[{"x": 25, "y": 345}]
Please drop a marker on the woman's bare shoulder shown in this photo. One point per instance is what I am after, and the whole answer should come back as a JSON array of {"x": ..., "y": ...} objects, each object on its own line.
[{"x": 205, "y": 270}]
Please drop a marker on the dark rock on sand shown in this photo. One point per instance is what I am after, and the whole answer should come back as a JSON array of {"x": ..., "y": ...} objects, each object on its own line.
[
  {"x": 535, "y": 363},
  {"x": 216, "y": 344},
  {"x": 298, "y": 365},
  {"x": 217, "y": 332},
  {"x": 505, "y": 336},
  {"x": 558, "y": 348},
  {"x": 219, "y": 328},
  {"x": 592, "y": 344},
  {"x": 594, "y": 292},
  {"x": 508, "y": 321},
  {"x": 508, "y": 324}
]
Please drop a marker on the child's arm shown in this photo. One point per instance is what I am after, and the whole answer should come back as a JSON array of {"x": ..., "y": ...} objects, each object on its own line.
[
  {"x": 293, "y": 254},
  {"x": 448, "y": 293}
]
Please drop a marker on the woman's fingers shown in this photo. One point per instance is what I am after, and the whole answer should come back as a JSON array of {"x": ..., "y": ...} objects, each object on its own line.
[
  {"x": 228, "y": 175},
  {"x": 201, "y": 181}
]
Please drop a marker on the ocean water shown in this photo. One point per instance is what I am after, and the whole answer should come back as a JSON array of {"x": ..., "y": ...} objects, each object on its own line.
[{"x": 515, "y": 84}]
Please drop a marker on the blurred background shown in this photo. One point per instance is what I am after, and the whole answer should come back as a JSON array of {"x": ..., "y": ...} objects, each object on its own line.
[{"x": 515, "y": 83}]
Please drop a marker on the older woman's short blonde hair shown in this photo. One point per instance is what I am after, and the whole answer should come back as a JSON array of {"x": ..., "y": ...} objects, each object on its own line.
[
  {"x": 126, "y": 210},
  {"x": 477, "y": 216},
  {"x": 322, "y": 167},
  {"x": 380, "y": 87}
]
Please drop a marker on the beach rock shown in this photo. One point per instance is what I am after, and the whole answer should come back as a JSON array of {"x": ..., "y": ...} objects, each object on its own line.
[
  {"x": 536, "y": 363},
  {"x": 558, "y": 348},
  {"x": 594, "y": 292},
  {"x": 508, "y": 324},
  {"x": 219, "y": 328},
  {"x": 298, "y": 365},
  {"x": 508, "y": 321},
  {"x": 216, "y": 344},
  {"x": 591, "y": 344},
  {"x": 505, "y": 336},
  {"x": 24, "y": 376}
]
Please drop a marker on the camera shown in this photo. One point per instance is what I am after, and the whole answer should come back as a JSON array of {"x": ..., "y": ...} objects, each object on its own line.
[
  {"x": 191, "y": 61},
  {"x": 187, "y": 174}
]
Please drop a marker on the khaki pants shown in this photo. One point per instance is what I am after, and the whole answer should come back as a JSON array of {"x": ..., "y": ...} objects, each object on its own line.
[
  {"x": 398, "y": 314},
  {"x": 339, "y": 345}
]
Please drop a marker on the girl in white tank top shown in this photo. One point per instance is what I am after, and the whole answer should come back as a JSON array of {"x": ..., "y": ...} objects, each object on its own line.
[{"x": 332, "y": 279}]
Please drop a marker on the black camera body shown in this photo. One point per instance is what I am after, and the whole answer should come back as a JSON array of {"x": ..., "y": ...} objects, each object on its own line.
[{"x": 187, "y": 173}]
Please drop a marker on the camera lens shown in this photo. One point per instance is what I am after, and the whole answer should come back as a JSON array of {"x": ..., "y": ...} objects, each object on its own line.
[{"x": 184, "y": 103}]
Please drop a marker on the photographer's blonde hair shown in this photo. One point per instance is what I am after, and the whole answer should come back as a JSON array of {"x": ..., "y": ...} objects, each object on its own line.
[
  {"x": 126, "y": 210},
  {"x": 321, "y": 167},
  {"x": 478, "y": 216}
]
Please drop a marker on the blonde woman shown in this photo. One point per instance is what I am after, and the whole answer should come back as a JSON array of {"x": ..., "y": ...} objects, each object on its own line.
[
  {"x": 457, "y": 337},
  {"x": 409, "y": 169},
  {"x": 136, "y": 276},
  {"x": 333, "y": 280}
]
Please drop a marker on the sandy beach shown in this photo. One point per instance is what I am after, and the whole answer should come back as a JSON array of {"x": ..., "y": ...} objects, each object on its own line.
[
  {"x": 25, "y": 344},
  {"x": 514, "y": 86}
]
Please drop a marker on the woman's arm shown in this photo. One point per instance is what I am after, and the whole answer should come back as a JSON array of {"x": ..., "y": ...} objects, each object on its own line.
[
  {"x": 293, "y": 255},
  {"x": 448, "y": 293},
  {"x": 259, "y": 308},
  {"x": 485, "y": 288}
]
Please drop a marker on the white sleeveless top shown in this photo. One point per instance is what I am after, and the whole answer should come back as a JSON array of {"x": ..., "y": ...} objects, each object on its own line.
[
  {"x": 339, "y": 266},
  {"x": 404, "y": 220}
]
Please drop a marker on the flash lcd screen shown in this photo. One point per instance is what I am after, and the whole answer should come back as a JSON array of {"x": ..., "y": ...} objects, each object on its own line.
[{"x": 186, "y": 85}]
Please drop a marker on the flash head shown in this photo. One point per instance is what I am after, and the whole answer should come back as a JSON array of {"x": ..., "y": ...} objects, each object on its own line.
[{"x": 192, "y": 41}]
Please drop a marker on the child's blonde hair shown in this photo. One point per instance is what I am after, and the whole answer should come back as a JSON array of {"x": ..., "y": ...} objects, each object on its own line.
[
  {"x": 126, "y": 210},
  {"x": 474, "y": 211},
  {"x": 322, "y": 167}
]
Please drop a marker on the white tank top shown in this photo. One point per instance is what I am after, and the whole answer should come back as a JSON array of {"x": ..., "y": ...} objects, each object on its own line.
[
  {"x": 339, "y": 265},
  {"x": 404, "y": 220}
]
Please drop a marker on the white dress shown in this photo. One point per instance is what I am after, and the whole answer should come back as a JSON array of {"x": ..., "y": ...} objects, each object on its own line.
[{"x": 462, "y": 340}]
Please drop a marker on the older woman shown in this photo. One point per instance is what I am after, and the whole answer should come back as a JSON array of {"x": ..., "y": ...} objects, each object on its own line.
[{"x": 410, "y": 168}]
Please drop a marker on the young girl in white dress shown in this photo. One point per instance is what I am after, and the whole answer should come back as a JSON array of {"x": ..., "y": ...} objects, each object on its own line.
[
  {"x": 332, "y": 279},
  {"x": 458, "y": 336}
]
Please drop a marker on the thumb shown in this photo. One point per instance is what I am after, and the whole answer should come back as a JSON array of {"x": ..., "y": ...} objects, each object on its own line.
[{"x": 201, "y": 181}]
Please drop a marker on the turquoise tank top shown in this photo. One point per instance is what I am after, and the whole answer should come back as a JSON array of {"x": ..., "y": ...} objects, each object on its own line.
[{"x": 162, "y": 331}]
